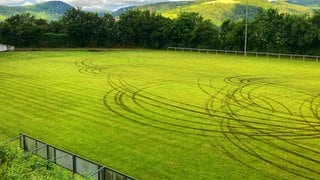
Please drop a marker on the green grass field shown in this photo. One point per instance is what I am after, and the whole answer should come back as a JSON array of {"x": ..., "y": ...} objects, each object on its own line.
[{"x": 168, "y": 115}]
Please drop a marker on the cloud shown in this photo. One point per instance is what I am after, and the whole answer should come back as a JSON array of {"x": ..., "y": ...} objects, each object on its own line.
[{"x": 87, "y": 4}]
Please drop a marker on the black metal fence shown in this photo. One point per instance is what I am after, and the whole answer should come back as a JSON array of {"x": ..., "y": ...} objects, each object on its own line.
[
  {"x": 249, "y": 53},
  {"x": 70, "y": 161}
]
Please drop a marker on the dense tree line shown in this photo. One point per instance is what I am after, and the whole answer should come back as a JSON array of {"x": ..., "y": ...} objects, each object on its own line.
[
  {"x": 268, "y": 31},
  {"x": 271, "y": 31}
]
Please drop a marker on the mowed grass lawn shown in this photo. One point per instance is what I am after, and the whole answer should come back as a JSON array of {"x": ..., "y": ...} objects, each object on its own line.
[{"x": 168, "y": 115}]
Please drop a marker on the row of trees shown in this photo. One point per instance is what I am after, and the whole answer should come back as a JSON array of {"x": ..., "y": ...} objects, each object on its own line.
[
  {"x": 271, "y": 31},
  {"x": 268, "y": 31}
]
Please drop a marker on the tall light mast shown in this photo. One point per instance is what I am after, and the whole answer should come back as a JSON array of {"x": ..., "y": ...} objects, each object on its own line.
[{"x": 246, "y": 32}]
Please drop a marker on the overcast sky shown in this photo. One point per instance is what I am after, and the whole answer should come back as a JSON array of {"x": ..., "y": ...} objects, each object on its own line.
[{"x": 86, "y": 4}]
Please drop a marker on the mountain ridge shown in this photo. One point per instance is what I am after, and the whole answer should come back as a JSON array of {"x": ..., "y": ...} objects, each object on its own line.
[
  {"x": 221, "y": 10},
  {"x": 215, "y": 10},
  {"x": 51, "y": 10}
]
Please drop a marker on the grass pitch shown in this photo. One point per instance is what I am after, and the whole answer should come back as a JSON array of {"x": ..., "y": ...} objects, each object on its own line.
[{"x": 168, "y": 115}]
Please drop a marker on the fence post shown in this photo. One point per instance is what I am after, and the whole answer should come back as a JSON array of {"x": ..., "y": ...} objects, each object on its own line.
[
  {"x": 24, "y": 143},
  {"x": 74, "y": 164},
  {"x": 54, "y": 155},
  {"x": 48, "y": 152}
]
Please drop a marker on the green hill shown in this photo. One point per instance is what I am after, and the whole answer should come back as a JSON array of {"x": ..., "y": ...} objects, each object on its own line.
[
  {"x": 216, "y": 10},
  {"x": 51, "y": 10},
  {"x": 220, "y": 10},
  {"x": 305, "y": 2}
]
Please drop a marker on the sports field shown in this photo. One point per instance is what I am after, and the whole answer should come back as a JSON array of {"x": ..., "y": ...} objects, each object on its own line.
[{"x": 168, "y": 115}]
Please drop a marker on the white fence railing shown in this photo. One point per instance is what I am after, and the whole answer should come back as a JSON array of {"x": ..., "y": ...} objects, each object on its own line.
[{"x": 249, "y": 53}]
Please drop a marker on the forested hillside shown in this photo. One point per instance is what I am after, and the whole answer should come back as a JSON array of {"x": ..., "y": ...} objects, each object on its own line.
[
  {"x": 305, "y": 2},
  {"x": 220, "y": 10},
  {"x": 215, "y": 10},
  {"x": 268, "y": 31},
  {"x": 51, "y": 10}
]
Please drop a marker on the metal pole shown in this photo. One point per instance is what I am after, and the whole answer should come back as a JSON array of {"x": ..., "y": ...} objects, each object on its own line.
[{"x": 246, "y": 32}]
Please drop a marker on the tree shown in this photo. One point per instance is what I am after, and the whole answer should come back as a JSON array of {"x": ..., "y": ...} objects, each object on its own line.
[
  {"x": 135, "y": 27},
  {"x": 183, "y": 27},
  {"x": 269, "y": 32},
  {"x": 205, "y": 35},
  {"x": 106, "y": 31},
  {"x": 6, "y": 33},
  {"x": 160, "y": 35},
  {"x": 81, "y": 27},
  {"x": 232, "y": 35},
  {"x": 25, "y": 30}
]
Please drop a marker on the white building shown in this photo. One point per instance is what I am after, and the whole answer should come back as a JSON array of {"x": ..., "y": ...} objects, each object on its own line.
[
  {"x": 4, "y": 47},
  {"x": 272, "y": 1}
]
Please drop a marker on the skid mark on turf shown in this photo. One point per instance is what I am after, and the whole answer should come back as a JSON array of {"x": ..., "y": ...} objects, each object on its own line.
[
  {"x": 281, "y": 149},
  {"x": 249, "y": 119}
]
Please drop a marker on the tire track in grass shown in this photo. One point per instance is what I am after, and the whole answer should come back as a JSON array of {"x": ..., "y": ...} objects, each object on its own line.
[
  {"x": 135, "y": 93},
  {"x": 278, "y": 127},
  {"x": 248, "y": 150},
  {"x": 217, "y": 116},
  {"x": 127, "y": 89},
  {"x": 278, "y": 157},
  {"x": 263, "y": 120},
  {"x": 290, "y": 114},
  {"x": 238, "y": 101},
  {"x": 109, "y": 106},
  {"x": 86, "y": 115},
  {"x": 123, "y": 106},
  {"x": 266, "y": 113},
  {"x": 313, "y": 124},
  {"x": 87, "y": 67},
  {"x": 283, "y": 117},
  {"x": 252, "y": 151},
  {"x": 161, "y": 102},
  {"x": 315, "y": 107}
]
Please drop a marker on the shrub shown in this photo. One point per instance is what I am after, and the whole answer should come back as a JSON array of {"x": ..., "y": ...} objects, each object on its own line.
[{"x": 15, "y": 164}]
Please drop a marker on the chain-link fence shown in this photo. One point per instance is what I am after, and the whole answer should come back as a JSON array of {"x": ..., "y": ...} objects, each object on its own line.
[{"x": 70, "y": 161}]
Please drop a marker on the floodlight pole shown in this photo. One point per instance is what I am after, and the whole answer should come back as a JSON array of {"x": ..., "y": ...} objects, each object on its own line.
[{"x": 246, "y": 32}]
